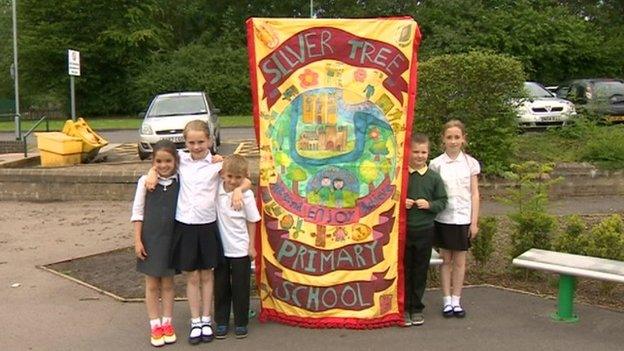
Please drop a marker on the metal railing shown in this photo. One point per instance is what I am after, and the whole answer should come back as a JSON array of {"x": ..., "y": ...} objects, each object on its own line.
[{"x": 25, "y": 136}]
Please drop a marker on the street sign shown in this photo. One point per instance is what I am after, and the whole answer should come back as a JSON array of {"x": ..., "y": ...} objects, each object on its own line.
[{"x": 73, "y": 62}]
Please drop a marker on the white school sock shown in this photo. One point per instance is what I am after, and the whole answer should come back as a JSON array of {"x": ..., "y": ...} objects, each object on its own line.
[
  {"x": 206, "y": 319},
  {"x": 446, "y": 300},
  {"x": 455, "y": 300},
  {"x": 154, "y": 323},
  {"x": 195, "y": 322},
  {"x": 206, "y": 329},
  {"x": 166, "y": 320}
]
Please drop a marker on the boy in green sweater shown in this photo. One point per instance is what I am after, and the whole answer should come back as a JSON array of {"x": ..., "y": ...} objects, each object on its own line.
[{"x": 426, "y": 196}]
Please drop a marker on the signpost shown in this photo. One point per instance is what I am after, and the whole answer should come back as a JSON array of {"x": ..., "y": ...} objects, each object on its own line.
[
  {"x": 15, "y": 74},
  {"x": 73, "y": 67}
]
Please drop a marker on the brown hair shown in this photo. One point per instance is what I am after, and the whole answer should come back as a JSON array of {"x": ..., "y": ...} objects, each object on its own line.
[
  {"x": 236, "y": 164},
  {"x": 197, "y": 125},
  {"x": 420, "y": 138},
  {"x": 166, "y": 146}
]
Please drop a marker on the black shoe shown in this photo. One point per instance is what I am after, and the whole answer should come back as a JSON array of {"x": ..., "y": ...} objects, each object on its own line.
[
  {"x": 205, "y": 336},
  {"x": 195, "y": 340},
  {"x": 240, "y": 332},
  {"x": 221, "y": 332},
  {"x": 447, "y": 311},
  {"x": 459, "y": 312}
]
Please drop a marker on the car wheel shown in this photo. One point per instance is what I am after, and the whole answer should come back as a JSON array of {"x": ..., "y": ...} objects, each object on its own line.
[{"x": 143, "y": 155}]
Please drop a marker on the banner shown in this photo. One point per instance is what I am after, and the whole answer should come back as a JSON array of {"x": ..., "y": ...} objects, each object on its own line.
[{"x": 333, "y": 105}]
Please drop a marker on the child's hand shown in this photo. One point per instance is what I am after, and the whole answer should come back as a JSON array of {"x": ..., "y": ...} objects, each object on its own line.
[
  {"x": 237, "y": 199},
  {"x": 422, "y": 204},
  {"x": 474, "y": 229},
  {"x": 217, "y": 158},
  {"x": 139, "y": 250},
  {"x": 409, "y": 203},
  {"x": 152, "y": 179},
  {"x": 252, "y": 252}
]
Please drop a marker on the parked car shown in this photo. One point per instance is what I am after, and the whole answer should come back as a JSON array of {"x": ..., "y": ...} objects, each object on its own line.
[
  {"x": 602, "y": 96},
  {"x": 168, "y": 114},
  {"x": 541, "y": 108}
]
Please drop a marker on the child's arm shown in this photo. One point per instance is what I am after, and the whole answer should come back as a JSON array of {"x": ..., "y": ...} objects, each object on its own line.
[
  {"x": 139, "y": 249},
  {"x": 440, "y": 199},
  {"x": 251, "y": 230},
  {"x": 152, "y": 179},
  {"x": 237, "y": 195},
  {"x": 475, "y": 199}
]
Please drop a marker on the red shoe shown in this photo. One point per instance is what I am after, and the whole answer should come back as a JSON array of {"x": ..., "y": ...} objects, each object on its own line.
[
  {"x": 157, "y": 337},
  {"x": 169, "y": 334}
]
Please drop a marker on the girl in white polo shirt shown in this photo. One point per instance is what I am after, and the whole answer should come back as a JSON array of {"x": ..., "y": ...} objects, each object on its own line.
[
  {"x": 457, "y": 225},
  {"x": 196, "y": 247}
]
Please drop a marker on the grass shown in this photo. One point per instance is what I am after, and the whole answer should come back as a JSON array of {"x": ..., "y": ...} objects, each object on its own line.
[
  {"x": 602, "y": 145},
  {"x": 103, "y": 123}
]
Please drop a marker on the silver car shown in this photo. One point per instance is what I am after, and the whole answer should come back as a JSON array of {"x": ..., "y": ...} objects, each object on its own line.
[
  {"x": 167, "y": 115},
  {"x": 542, "y": 108}
]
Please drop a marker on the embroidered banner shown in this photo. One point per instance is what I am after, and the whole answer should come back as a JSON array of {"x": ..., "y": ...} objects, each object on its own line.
[{"x": 333, "y": 104}]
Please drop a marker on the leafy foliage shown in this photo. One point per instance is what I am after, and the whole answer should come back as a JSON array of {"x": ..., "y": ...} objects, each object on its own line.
[
  {"x": 573, "y": 238},
  {"x": 533, "y": 226},
  {"x": 482, "y": 247},
  {"x": 475, "y": 88}
]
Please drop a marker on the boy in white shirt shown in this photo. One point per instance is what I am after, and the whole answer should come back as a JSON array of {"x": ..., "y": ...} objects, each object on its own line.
[{"x": 237, "y": 230}]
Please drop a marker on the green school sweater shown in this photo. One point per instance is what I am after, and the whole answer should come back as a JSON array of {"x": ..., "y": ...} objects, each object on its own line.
[{"x": 430, "y": 187}]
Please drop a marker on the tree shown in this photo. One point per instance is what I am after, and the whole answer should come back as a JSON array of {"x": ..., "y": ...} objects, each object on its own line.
[
  {"x": 296, "y": 174},
  {"x": 369, "y": 173}
]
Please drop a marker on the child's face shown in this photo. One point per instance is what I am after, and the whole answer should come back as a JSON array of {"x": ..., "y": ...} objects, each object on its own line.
[
  {"x": 325, "y": 182},
  {"x": 231, "y": 180},
  {"x": 164, "y": 163},
  {"x": 419, "y": 155},
  {"x": 453, "y": 139},
  {"x": 198, "y": 143},
  {"x": 338, "y": 184}
]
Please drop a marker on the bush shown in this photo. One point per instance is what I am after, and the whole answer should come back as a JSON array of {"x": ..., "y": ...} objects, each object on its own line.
[
  {"x": 221, "y": 72},
  {"x": 475, "y": 88},
  {"x": 533, "y": 227},
  {"x": 606, "y": 150},
  {"x": 482, "y": 247},
  {"x": 573, "y": 239},
  {"x": 606, "y": 240}
]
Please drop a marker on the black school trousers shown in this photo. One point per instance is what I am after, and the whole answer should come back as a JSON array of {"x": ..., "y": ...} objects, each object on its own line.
[{"x": 232, "y": 289}]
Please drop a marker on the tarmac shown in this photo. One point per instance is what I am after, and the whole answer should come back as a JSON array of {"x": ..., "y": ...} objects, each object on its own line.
[{"x": 42, "y": 311}]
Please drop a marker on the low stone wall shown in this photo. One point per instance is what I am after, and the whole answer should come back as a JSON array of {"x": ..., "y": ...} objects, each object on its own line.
[
  {"x": 11, "y": 146},
  {"x": 119, "y": 183}
]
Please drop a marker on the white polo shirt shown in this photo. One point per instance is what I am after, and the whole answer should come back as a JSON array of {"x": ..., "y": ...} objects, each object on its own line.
[
  {"x": 233, "y": 224},
  {"x": 199, "y": 180},
  {"x": 456, "y": 175}
]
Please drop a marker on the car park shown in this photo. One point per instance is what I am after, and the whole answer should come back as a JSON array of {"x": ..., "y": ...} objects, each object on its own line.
[
  {"x": 596, "y": 96},
  {"x": 168, "y": 114},
  {"x": 541, "y": 108}
]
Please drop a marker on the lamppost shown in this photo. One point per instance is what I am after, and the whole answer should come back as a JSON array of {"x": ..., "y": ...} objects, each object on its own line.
[{"x": 18, "y": 133}]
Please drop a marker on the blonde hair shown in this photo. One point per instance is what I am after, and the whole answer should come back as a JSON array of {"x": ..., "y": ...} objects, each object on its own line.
[
  {"x": 198, "y": 126},
  {"x": 236, "y": 164},
  {"x": 454, "y": 123}
]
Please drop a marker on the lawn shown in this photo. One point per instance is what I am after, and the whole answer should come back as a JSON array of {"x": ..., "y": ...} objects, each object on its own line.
[
  {"x": 600, "y": 145},
  {"x": 101, "y": 123}
]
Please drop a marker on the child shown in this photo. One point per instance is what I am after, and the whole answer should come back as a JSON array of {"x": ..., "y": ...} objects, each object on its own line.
[
  {"x": 196, "y": 246},
  {"x": 426, "y": 197},
  {"x": 153, "y": 217},
  {"x": 456, "y": 226},
  {"x": 237, "y": 230}
]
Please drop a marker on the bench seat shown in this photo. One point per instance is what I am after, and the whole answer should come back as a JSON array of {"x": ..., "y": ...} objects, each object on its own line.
[
  {"x": 569, "y": 267},
  {"x": 575, "y": 265}
]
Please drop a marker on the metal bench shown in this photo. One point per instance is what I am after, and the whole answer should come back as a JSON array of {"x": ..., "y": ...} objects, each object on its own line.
[
  {"x": 569, "y": 267},
  {"x": 436, "y": 259}
]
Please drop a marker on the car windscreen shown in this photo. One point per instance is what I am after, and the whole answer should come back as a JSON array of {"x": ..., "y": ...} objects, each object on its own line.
[
  {"x": 605, "y": 90},
  {"x": 178, "y": 105},
  {"x": 536, "y": 91}
]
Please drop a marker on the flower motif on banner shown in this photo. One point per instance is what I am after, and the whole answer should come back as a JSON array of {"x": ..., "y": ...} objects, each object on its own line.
[
  {"x": 359, "y": 75},
  {"x": 308, "y": 78}
]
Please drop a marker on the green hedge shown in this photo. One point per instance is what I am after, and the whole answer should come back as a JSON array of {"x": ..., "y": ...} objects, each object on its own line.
[
  {"x": 222, "y": 72},
  {"x": 476, "y": 88}
]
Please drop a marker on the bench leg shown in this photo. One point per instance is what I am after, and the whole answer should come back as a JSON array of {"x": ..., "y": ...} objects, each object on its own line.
[{"x": 565, "y": 301}]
